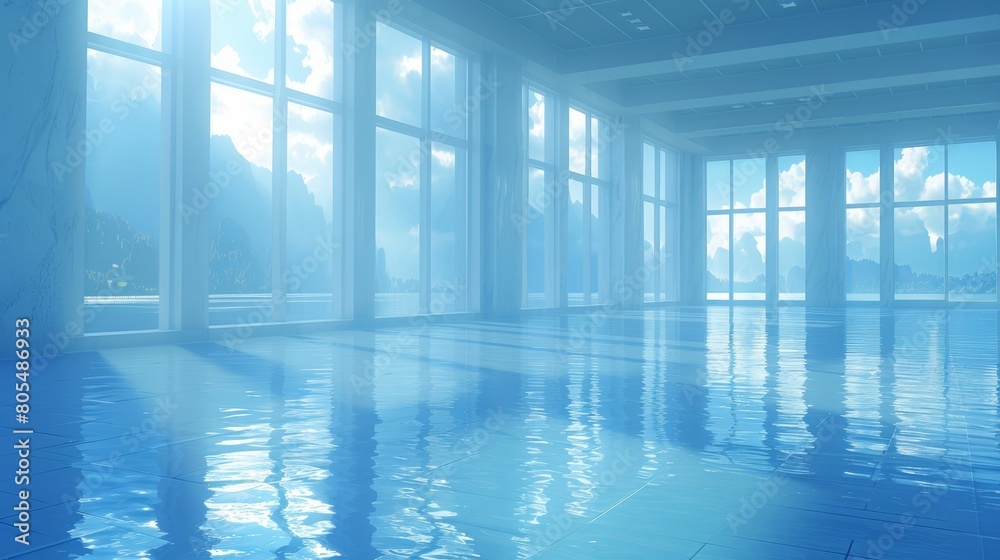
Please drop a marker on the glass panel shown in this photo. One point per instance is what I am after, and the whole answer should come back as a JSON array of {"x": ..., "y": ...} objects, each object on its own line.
[
  {"x": 972, "y": 170},
  {"x": 447, "y": 229},
  {"x": 122, "y": 171},
  {"x": 749, "y": 255},
  {"x": 577, "y": 142},
  {"x": 243, "y": 39},
  {"x": 792, "y": 182},
  {"x": 717, "y": 185},
  {"x": 310, "y": 251},
  {"x": 135, "y": 21},
  {"x": 596, "y": 238},
  {"x": 397, "y": 224},
  {"x": 398, "y": 76},
  {"x": 792, "y": 254},
  {"x": 310, "y": 52},
  {"x": 863, "y": 177},
  {"x": 667, "y": 249},
  {"x": 649, "y": 170},
  {"x": 668, "y": 176},
  {"x": 717, "y": 280},
  {"x": 972, "y": 251},
  {"x": 918, "y": 173},
  {"x": 536, "y": 126},
  {"x": 240, "y": 216},
  {"x": 863, "y": 258},
  {"x": 449, "y": 106},
  {"x": 538, "y": 205},
  {"x": 919, "y": 250},
  {"x": 648, "y": 250},
  {"x": 574, "y": 244},
  {"x": 595, "y": 148},
  {"x": 749, "y": 189}
]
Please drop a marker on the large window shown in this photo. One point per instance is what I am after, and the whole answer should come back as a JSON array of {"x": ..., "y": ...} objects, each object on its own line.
[
  {"x": 659, "y": 222},
  {"x": 736, "y": 193},
  {"x": 586, "y": 261},
  {"x": 863, "y": 271},
  {"x": 275, "y": 111},
  {"x": 421, "y": 189},
  {"x": 538, "y": 220},
  {"x": 792, "y": 227},
  {"x": 945, "y": 222},
  {"x": 124, "y": 136}
]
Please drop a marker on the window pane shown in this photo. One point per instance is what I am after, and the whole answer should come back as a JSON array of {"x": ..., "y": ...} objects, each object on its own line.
[
  {"x": 240, "y": 216},
  {"x": 447, "y": 229},
  {"x": 574, "y": 244},
  {"x": 919, "y": 249},
  {"x": 717, "y": 185},
  {"x": 972, "y": 170},
  {"x": 397, "y": 224},
  {"x": 863, "y": 257},
  {"x": 919, "y": 173},
  {"x": 792, "y": 254},
  {"x": 309, "y": 52},
  {"x": 649, "y": 254},
  {"x": 595, "y": 148},
  {"x": 536, "y": 126},
  {"x": 717, "y": 281},
  {"x": 122, "y": 170},
  {"x": 449, "y": 107},
  {"x": 792, "y": 182},
  {"x": 863, "y": 177},
  {"x": 668, "y": 176},
  {"x": 668, "y": 269},
  {"x": 649, "y": 170},
  {"x": 398, "y": 76},
  {"x": 577, "y": 142},
  {"x": 596, "y": 238},
  {"x": 310, "y": 252},
  {"x": 538, "y": 207},
  {"x": 243, "y": 39},
  {"x": 972, "y": 251},
  {"x": 749, "y": 255},
  {"x": 135, "y": 21},
  {"x": 749, "y": 183}
]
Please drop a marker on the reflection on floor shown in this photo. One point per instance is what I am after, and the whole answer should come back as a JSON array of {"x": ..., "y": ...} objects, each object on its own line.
[{"x": 695, "y": 433}]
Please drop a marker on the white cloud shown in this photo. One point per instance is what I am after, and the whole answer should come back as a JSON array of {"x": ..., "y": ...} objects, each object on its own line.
[
  {"x": 792, "y": 185},
  {"x": 247, "y": 119},
  {"x": 229, "y": 60},
  {"x": 861, "y": 188},
  {"x": 444, "y": 158},
  {"x": 136, "y": 21},
  {"x": 310, "y": 25}
]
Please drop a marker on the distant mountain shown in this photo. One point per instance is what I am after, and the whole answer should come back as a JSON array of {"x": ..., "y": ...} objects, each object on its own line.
[{"x": 118, "y": 260}]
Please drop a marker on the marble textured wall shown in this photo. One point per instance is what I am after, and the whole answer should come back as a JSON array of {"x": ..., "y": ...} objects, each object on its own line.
[
  {"x": 825, "y": 259},
  {"x": 43, "y": 63},
  {"x": 503, "y": 219},
  {"x": 693, "y": 231}
]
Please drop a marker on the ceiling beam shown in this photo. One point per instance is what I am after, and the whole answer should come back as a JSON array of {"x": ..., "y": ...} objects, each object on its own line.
[
  {"x": 917, "y": 132},
  {"x": 816, "y": 81},
  {"x": 865, "y": 26},
  {"x": 788, "y": 117}
]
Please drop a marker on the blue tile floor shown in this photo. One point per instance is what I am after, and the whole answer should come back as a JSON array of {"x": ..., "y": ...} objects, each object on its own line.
[{"x": 675, "y": 433}]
